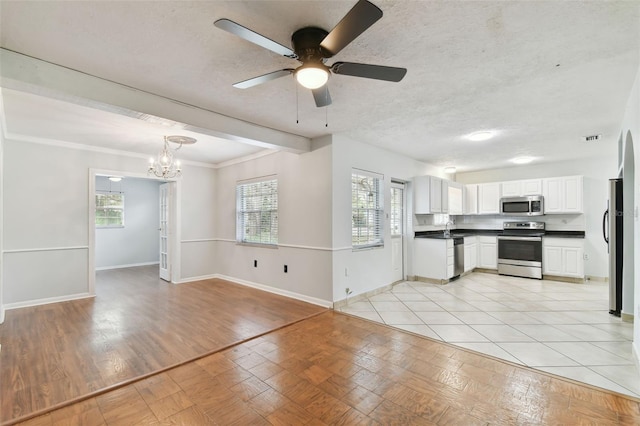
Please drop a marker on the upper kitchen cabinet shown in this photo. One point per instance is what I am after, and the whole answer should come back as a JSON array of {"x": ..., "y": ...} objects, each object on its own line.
[
  {"x": 431, "y": 195},
  {"x": 562, "y": 195},
  {"x": 489, "y": 198},
  {"x": 471, "y": 199},
  {"x": 520, "y": 188},
  {"x": 455, "y": 198}
]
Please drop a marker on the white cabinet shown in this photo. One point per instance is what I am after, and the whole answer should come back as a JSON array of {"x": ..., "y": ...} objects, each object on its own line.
[
  {"x": 433, "y": 258},
  {"x": 471, "y": 199},
  {"x": 487, "y": 252},
  {"x": 562, "y": 195},
  {"x": 563, "y": 257},
  {"x": 455, "y": 198},
  {"x": 489, "y": 198},
  {"x": 470, "y": 253},
  {"x": 520, "y": 188},
  {"x": 429, "y": 196}
]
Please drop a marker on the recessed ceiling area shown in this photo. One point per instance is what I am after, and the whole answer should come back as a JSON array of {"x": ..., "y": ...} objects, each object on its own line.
[{"x": 541, "y": 74}]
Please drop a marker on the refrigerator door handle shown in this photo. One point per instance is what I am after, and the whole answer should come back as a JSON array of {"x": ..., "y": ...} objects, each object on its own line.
[{"x": 605, "y": 222}]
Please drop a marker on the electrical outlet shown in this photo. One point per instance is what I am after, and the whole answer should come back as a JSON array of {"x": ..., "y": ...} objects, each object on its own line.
[
  {"x": 285, "y": 269},
  {"x": 585, "y": 256},
  {"x": 346, "y": 272},
  {"x": 255, "y": 263}
]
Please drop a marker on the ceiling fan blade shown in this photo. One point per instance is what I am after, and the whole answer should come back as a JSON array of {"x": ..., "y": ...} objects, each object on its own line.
[
  {"x": 262, "y": 79},
  {"x": 378, "y": 72},
  {"x": 252, "y": 36},
  {"x": 355, "y": 22},
  {"x": 321, "y": 96}
]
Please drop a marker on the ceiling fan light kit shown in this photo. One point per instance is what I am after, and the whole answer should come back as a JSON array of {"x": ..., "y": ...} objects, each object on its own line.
[{"x": 313, "y": 46}]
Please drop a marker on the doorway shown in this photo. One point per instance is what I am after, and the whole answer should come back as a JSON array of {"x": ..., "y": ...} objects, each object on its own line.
[
  {"x": 628, "y": 224},
  {"x": 147, "y": 235},
  {"x": 397, "y": 225}
]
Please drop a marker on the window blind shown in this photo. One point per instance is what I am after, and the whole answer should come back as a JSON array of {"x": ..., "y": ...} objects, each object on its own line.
[
  {"x": 257, "y": 212},
  {"x": 367, "y": 209}
]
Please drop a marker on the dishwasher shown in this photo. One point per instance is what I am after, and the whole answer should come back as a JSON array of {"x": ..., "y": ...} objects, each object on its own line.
[{"x": 458, "y": 256}]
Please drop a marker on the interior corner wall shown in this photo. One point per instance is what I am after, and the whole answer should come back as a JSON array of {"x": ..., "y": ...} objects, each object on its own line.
[
  {"x": 46, "y": 217},
  {"x": 365, "y": 270},
  {"x": 304, "y": 225},
  {"x": 1, "y": 213},
  {"x": 136, "y": 243},
  {"x": 197, "y": 219},
  {"x": 596, "y": 173}
]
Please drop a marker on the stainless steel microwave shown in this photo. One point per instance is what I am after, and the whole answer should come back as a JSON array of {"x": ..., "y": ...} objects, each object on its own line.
[{"x": 530, "y": 205}]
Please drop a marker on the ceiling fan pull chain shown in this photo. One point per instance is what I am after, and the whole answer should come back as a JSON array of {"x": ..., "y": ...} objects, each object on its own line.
[
  {"x": 326, "y": 116},
  {"x": 297, "y": 108}
]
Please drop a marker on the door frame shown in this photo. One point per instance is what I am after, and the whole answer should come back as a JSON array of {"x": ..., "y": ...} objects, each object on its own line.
[{"x": 174, "y": 221}]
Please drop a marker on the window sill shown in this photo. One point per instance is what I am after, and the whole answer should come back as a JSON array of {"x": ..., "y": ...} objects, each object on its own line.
[{"x": 268, "y": 246}]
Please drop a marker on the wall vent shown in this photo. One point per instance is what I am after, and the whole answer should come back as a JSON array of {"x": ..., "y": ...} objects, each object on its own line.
[{"x": 591, "y": 138}]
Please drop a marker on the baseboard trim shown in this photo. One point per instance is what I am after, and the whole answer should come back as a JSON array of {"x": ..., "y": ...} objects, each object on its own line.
[
  {"x": 46, "y": 301},
  {"x": 193, "y": 279},
  {"x": 560, "y": 278},
  {"x": 131, "y": 265},
  {"x": 361, "y": 296},
  {"x": 594, "y": 278},
  {"x": 279, "y": 291},
  {"x": 626, "y": 317}
]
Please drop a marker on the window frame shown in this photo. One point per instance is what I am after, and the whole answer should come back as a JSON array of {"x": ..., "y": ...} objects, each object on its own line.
[
  {"x": 367, "y": 209},
  {"x": 265, "y": 217},
  {"x": 105, "y": 209}
]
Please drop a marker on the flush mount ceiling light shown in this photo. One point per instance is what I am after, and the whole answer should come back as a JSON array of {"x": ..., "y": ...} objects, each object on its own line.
[
  {"x": 115, "y": 178},
  {"x": 522, "y": 160},
  {"x": 312, "y": 75},
  {"x": 449, "y": 170},
  {"x": 481, "y": 136},
  {"x": 164, "y": 165}
]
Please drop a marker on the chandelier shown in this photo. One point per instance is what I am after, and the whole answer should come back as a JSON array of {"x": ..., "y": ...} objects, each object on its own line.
[{"x": 165, "y": 165}]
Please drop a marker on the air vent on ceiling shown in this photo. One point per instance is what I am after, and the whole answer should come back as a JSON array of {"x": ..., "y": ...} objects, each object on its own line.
[{"x": 592, "y": 138}]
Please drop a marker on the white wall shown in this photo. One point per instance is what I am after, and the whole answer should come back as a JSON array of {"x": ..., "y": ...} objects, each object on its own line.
[
  {"x": 631, "y": 125},
  {"x": 367, "y": 269},
  {"x": 48, "y": 217},
  {"x": 596, "y": 174},
  {"x": 304, "y": 220},
  {"x": 137, "y": 242}
]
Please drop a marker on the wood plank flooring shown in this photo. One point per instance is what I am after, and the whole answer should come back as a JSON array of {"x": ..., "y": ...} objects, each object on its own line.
[
  {"x": 136, "y": 325},
  {"x": 333, "y": 369}
]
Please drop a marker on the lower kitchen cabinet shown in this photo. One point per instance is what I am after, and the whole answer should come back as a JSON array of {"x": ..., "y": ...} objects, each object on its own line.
[
  {"x": 433, "y": 258},
  {"x": 563, "y": 257},
  {"x": 470, "y": 253},
  {"x": 487, "y": 252}
]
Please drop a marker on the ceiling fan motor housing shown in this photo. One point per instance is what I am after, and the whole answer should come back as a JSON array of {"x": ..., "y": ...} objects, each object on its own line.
[{"x": 306, "y": 44}]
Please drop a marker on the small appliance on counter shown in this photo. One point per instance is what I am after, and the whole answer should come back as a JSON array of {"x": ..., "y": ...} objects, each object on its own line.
[
  {"x": 530, "y": 205},
  {"x": 520, "y": 249}
]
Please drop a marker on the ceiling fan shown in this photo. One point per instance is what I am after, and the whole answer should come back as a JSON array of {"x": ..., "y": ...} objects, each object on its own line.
[{"x": 313, "y": 46}]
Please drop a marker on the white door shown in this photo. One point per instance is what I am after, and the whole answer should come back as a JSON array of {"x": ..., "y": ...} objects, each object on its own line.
[
  {"x": 165, "y": 234},
  {"x": 397, "y": 230}
]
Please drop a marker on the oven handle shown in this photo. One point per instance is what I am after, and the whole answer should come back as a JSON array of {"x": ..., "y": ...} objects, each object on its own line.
[{"x": 520, "y": 238}]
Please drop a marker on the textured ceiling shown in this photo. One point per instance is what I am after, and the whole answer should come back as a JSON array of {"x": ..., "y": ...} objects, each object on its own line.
[{"x": 542, "y": 74}]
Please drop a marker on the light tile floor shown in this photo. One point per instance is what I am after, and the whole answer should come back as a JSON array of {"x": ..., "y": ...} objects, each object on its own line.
[{"x": 561, "y": 328}]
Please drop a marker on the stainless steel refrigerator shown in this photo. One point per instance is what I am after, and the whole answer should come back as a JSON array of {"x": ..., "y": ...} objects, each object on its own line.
[{"x": 612, "y": 232}]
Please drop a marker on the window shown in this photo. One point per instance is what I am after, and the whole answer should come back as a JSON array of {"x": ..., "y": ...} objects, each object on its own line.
[
  {"x": 396, "y": 210},
  {"x": 109, "y": 209},
  {"x": 366, "y": 209},
  {"x": 257, "y": 212}
]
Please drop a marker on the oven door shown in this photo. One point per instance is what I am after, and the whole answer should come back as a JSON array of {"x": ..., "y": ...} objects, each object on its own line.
[{"x": 523, "y": 251}]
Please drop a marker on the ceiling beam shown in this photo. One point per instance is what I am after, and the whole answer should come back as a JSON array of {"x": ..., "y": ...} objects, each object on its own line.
[{"x": 28, "y": 74}]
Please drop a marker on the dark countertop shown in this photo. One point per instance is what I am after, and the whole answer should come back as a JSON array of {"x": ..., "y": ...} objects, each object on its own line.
[{"x": 456, "y": 233}]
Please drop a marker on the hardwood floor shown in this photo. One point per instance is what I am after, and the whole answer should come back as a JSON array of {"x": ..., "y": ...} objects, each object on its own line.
[
  {"x": 324, "y": 367},
  {"x": 136, "y": 325},
  {"x": 341, "y": 370}
]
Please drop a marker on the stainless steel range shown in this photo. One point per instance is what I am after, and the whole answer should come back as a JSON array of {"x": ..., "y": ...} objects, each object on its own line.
[{"x": 520, "y": 249}]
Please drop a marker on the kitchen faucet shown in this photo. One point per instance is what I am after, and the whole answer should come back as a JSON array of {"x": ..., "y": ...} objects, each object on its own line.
[{"x": 447, "y": 232}]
